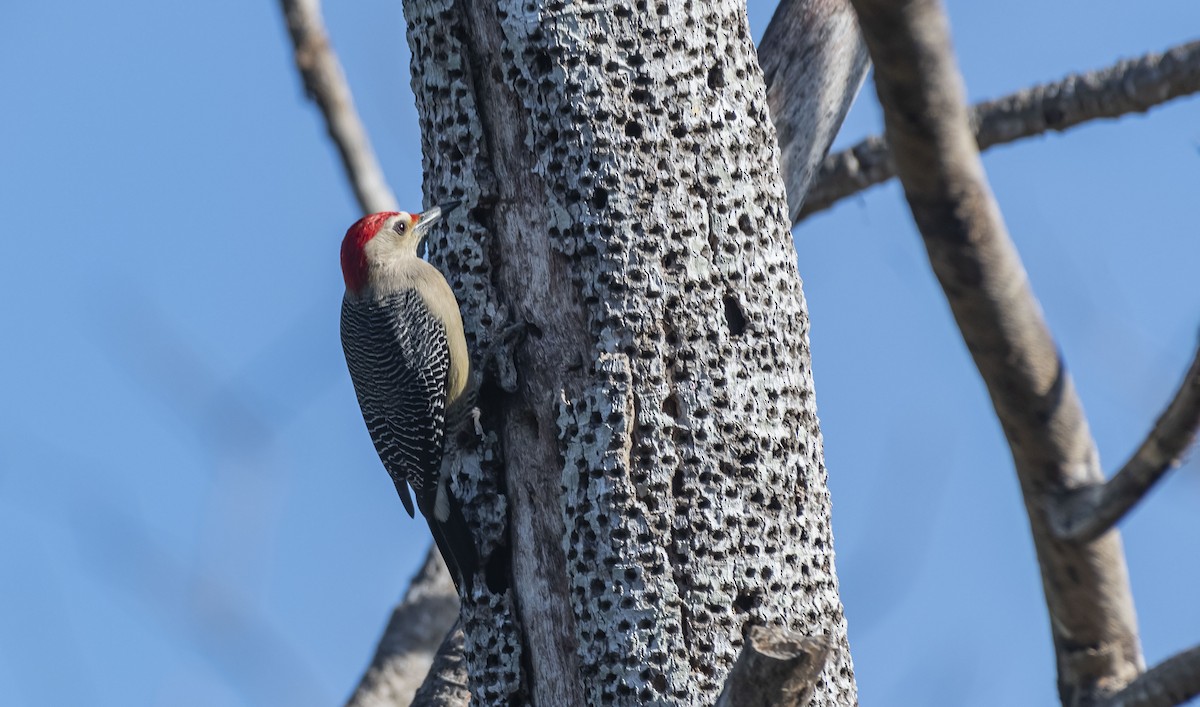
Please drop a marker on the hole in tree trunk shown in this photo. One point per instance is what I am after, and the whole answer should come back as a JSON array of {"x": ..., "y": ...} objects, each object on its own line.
[{"x": 734, "y": 317}]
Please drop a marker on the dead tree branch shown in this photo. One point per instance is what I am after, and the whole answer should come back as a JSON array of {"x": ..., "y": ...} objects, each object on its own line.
[
  {"x": 811, "y": 55},
  {"x": 446, "y": 684},
  {"x": 405, "y": 652},
  {"x": 1090, "y": 512},
  {"x": 928, "y": 126},
  {"x": 776, "y": 668},
  {"x": 325, "y": 84},
  {"x": 1130, "y": 86},
  {"x": 1172, "y": 682}
]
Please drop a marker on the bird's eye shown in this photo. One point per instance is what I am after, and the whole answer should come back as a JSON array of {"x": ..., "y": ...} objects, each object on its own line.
[{"x": 400, "y": 227}]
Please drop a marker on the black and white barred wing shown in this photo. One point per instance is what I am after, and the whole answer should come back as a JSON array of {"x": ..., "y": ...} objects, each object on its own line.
[{"x": 399, "y": 360}]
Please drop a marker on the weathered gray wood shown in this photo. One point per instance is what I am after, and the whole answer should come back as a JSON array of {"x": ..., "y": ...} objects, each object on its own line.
[
  {"x": 1172, "y": 682},
  {"x": 405, "y": 652},
  {"x": 326, "y": 85},
  {"x": 1129, "y": 86},
  {"x": 811, "y": 55},
  {"x": 776, "y": 668},
  {"x": 663, "y": 470},
  {"x": 447, "y": 683},
  {"x": 1086, "y": 586},
  {"x": 1089, "y": 512}
]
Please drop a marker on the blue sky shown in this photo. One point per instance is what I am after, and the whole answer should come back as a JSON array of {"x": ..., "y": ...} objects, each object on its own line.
[{"x": 191, "y": 512}]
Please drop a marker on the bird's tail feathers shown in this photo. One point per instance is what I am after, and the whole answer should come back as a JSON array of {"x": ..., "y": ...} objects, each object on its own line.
[{"x": 457, "y": 545}]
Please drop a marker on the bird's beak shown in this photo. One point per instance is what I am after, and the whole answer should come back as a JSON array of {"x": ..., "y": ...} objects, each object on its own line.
[{"x": 431, "y": 215}]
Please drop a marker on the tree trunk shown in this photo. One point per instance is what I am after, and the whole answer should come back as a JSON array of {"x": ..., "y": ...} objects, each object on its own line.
[{"x": 657, "y": 484}]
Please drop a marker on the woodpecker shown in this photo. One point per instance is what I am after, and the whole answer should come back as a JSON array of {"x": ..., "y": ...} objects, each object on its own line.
[{"x": 403, "y": 337}]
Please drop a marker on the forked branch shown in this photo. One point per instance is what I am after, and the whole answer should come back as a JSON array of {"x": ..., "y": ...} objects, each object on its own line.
[
  {"x": 1130, "y": 86},
  {"x": 1090, "y": 512},
  {"x": 928, "y": 126},
  {"x": 1172, "y": 682}
]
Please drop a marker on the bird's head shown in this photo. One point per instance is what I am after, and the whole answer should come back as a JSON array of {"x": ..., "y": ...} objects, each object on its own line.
[{"x": 385, "y": 236}]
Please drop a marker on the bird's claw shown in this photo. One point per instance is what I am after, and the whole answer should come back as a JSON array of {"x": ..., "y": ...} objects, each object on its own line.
[{"x": 475, "y": 415}]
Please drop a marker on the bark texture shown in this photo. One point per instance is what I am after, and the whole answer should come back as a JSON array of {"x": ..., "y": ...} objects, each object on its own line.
[
  {"x": 1091, "y": 511},
  {"x": 447, "y": 684},
  {"x": 775, "y": 669},
  {"x": 1129, "y": 86},
  {"x": 662, "y": 468},
  {"x": 1173, "y": 682},
  {"x": 812, "y": 54},
  {"x": 921, "y": 92},
  {"x": 416, "y": 629}
]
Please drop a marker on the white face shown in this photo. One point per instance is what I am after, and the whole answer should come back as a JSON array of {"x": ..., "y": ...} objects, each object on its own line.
[{"x": 399, "y": 235}]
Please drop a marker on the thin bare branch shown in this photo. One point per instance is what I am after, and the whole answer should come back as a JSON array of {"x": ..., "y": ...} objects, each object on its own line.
[
  {"x": 325, "y": 84},
  {"x": 927, "y": 123},
  {"x": 446, "y": 684},
  {"x": 1090, "y": 512},
  {"x": 430, "y": 606},
  {"x": 405, "y": 652},
  {"x": 1172, "y": 682},
  {"x": 814, "y": 63},
  {"x": 1130, "y": 86},
  {"x": 776, "y": 668}
]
